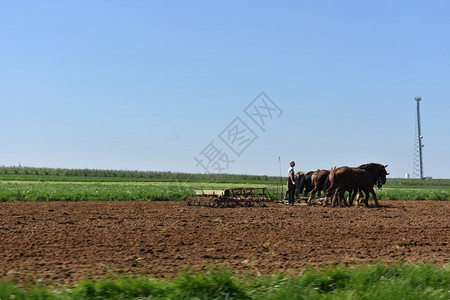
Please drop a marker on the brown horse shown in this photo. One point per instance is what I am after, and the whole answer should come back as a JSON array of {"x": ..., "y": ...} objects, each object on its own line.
[
  {"x": 362, "y": 178},
  {"x": 380, "y": 171},
  {"x": 318, "y": 181}
]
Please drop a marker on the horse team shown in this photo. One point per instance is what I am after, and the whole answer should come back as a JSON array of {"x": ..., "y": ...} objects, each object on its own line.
[{"x": 357, "y": 182}]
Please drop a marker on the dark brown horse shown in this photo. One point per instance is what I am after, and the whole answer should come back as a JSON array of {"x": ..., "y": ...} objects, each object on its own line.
[
  {"x": 362, "y": 178},
  {"x": 305, "y": 186},
  {"x": 380, "y": 171},
  {"x": 318, "y": 181}
]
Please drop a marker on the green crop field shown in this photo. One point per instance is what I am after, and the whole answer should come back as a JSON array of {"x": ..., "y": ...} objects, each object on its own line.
[
  {"x": 43, "y": 184},
  {"x": 90, "y": 191},
  {"x": 43, "y": 190}
]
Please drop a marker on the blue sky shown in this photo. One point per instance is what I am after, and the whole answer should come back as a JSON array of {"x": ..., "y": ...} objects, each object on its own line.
[{"x": 155, "y": 85}]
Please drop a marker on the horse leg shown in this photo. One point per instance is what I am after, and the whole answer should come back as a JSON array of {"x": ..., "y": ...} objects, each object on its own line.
[
  {"x": 359, "y": 194},
  {"x": 352, "y": 194},
  {"x": 325, "y": 201},
  {"x": 366, "y": 196},
  {"x": 312, "y": 195},
  {"x": 346, "y": 201},
  {"x": 342, "y": 198},
  {"x": 375, "y": 199},
  {"x": 336, "y": 195},
  {"x": 358, "y": 197}
]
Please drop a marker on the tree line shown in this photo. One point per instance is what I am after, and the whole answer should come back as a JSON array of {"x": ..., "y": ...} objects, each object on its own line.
[
  {"x": 179, "y": 176},
  {"x": 154, "y": 175}
]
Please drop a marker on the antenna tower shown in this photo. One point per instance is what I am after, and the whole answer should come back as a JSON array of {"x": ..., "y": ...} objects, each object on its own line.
[{"x": 418, "y": 162}]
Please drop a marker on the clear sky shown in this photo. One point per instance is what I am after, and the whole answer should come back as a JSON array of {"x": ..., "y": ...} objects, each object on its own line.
[{"x": 176, "y": 85}]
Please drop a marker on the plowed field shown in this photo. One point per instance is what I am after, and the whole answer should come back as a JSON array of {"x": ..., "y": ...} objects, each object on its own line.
[{"x": 62, "y": 242}]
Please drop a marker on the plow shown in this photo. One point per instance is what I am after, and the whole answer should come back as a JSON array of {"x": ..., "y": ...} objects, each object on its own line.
[{"x": 230, "y": 197}]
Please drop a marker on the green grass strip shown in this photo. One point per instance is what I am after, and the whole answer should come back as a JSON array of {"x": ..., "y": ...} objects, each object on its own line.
[{"x": 380, "y": 281}]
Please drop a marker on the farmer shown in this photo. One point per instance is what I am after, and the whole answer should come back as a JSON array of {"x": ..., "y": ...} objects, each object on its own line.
[{"x": 291, "y": 183}]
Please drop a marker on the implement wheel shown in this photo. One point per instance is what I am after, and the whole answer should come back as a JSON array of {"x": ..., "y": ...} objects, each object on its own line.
[
  {"x": 190, "y": 201},
  {"x": 216, "y": 202}
]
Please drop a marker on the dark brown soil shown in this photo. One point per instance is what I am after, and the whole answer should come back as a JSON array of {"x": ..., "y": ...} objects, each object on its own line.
[{"x": 64, "y": 242}]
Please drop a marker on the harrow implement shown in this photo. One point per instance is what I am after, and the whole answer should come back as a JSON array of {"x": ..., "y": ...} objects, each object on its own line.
[{"x": 230, "y": 197}]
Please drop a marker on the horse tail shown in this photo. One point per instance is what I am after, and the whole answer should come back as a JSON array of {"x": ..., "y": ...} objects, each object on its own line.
[
  {"x": 313, "y": 178},
  {"x": 332, "y": 176}
]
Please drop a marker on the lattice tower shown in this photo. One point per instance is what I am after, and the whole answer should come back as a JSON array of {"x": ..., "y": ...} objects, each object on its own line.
[{"x": 418, "y": 159}]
